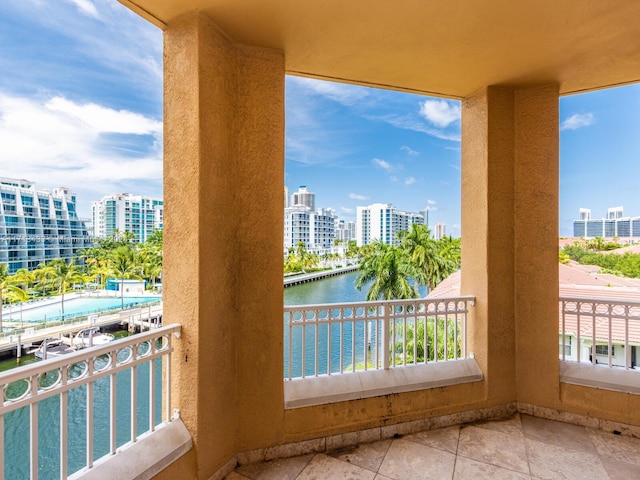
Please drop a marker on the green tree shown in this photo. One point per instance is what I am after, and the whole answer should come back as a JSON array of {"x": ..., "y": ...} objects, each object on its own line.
[
  {"x": 62, "y": 275},
  {"x": 387, "y": 269},
  {"x": 7, "y": 285},
  {"x": 124, "y": 264}
]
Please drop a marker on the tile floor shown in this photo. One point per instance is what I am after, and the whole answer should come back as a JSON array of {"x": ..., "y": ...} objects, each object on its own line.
[{"x": 521, "y": 447}]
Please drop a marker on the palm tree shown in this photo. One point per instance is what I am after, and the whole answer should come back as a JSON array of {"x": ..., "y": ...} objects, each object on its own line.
[
  {"x": 431, "y": 261},
  {"x": 6, "y": 283},
  {"x": 387, "y": 269},
  {"x": 124, "y": 264},
  {"x": 63, "y": 275}
]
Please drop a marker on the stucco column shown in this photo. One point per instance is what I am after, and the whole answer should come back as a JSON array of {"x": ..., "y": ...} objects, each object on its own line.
[
  {"x": 223, "y": 177},
  {"x": 509, "y": 232}
]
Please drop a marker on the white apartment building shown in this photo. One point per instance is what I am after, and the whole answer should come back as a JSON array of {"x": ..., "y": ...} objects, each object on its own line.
[
  {"x": 345, "y": 231},
  {"x": 440, "y": 230},
  {"x": 315, "y": 229},
  {"x": 303, "y": 197},
  {"x": 125, "y": 212},
  {"x": 38, "y": 225},
  {"x": 381, "y": 221}
]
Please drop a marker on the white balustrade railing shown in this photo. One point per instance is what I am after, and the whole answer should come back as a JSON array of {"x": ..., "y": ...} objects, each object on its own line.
[
  {"x": 597, "y": 331},
  {"x": 348, "y": 337},
  {"x": 66, "y": 376}
]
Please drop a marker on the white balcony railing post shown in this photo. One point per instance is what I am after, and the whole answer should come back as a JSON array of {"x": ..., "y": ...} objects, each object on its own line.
[{"x": 386, "y": 332}]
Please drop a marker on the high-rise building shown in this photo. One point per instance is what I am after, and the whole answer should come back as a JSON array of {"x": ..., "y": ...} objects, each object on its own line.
[
  {"x": 440, "y": 230},
  {"x": 303, "y": 197},
  {"x": 345, "y": 231},
  {"x": 615, "y": 225},
  {"x": 381, "y": 221},
  {"x": 38, "y": 225},
  {"x": 137, "y": 214},
  {"x": 316, "y": 230},
  {"x": 286, "y": 197}
]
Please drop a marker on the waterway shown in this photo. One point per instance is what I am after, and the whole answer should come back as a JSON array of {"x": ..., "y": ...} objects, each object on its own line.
[{"x": 350, "y": 342}]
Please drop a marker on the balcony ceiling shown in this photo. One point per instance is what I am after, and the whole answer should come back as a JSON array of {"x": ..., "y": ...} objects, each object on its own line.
[{"x": 448, "y": 48}]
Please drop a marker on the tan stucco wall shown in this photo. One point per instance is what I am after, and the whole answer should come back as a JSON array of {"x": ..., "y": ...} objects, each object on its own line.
[
  {"x": 510, "y": 236},
  {"x": 224, "y": 170},
  {"x": 536, "y": 287}
]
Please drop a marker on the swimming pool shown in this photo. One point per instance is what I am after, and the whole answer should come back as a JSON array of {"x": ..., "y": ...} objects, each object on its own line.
[{"x": 73, "y": 307}]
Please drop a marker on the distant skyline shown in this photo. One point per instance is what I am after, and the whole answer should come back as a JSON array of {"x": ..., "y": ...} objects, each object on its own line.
[{"x": 81, "y": 106}]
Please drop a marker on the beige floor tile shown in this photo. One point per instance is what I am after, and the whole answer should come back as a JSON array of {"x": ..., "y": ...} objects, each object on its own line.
[
  {"x": 443, "y": 438},
  {"x": 495, "y": 448},
  {"x": 366, "y": 455},
  {"x": 235, "y": 476},
  {"x": 280, "y": 469},
  {"x": 468, "y": 469},
  {"x": 511, "y": 425},
  {"x": 324, "y": 467},
  {"x": 619, "y": 470},
  {"x": 557, "y": 433},
  {"x": 550, "y": 462},
  {"x": 408, "y": 460},
  {"x": 619, "y": 447},
  {"x": 382, "y": 477}
]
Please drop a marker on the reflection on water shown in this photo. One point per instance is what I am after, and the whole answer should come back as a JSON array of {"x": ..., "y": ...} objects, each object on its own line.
[{"x": 16, "y": 423}]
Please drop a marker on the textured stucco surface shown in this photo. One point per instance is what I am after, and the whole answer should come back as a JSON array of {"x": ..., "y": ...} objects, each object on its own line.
[{"x": 224, "y": 168}]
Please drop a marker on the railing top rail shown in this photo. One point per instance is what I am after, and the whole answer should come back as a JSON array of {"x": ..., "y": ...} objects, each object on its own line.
[
  {"x": 44, "y": 366},
  {"x": 635, "y": 303},
  {"x": 377, "y": 303}
]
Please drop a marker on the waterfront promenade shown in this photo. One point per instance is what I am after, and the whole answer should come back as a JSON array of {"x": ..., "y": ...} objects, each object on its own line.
[{"x": 310, "y": 277}]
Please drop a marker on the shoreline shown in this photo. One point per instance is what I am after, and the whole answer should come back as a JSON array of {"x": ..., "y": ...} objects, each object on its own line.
[{"x": 311, "y": 277}]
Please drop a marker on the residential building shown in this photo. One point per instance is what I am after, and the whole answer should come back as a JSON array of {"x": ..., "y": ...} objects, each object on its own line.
[
  {"x": 381, "y": 221},
  {"x": 303, "y": 197},
  {"x": 508, "y": 63},
  {"x": 345, "y": 231},
  {"x": 38, "y": 225},
  {"x": 316, "y": 230},
  {"x": 439, "y": 230},
  {"x": 614, "y": 225},
  {"x": 124, "y": 212}
]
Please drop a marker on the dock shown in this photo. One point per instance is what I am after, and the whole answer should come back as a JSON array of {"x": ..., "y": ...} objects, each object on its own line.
[
  {"x": 140, "y": 318},
  {"x": 310, "y": 277}
]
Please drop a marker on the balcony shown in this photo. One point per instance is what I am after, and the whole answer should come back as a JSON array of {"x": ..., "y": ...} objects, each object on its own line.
[
  {"x": 110, "y": 426},
  {"x": 337, "y": 353}
]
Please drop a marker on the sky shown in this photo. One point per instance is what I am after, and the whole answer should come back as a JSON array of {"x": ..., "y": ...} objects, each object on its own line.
[{"x": 81, "y": 106}]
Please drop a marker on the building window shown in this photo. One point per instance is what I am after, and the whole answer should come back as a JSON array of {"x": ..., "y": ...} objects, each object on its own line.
[{"x": 604, "y": 350}]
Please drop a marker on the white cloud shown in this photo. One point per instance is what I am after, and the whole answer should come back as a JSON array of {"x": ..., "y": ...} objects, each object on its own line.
[
  {"x": 440, "y": 113},
  {"x": 382, "y": 164},
  {"x": 409, "y": 150},
  {"x": 431, "y": 208},
  {"x": 393, "y": 178},
  {"x": 577, "y": 120},
  {"x": 409, "y": 122},
  {"x": 455, "y": 167},
  {"x": 346, "y": 210},
  {"x": 431, "y": 202},
  {"x": 342, "y": 93},
  {"x": 86, "y": 7},
  {"x": 356, "y": 196},
  {"x": 92, "y": 149},
  {"x": 410, "y": 180},
  {"x": 103, "y": 119}
]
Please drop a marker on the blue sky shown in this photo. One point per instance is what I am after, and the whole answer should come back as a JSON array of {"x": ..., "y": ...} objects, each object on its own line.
[{"x": 81, "y": 106}]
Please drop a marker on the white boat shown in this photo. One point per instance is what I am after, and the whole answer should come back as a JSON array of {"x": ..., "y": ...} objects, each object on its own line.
[
  {"x": 90, "y": 337},
  {"x": 52, "y": 348}
]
